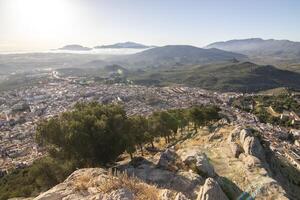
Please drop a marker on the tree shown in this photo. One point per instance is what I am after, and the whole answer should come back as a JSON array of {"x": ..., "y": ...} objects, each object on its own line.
[
  {"x": 211, "y": 113},
  {"x": 197, "y": 116},
  {"x": 138, "y": 131},
  {"x": 181, "y": 116},
  {"x": 202, "y": 115},
  {"x": 91, "y": 133},
  {"x": 164, "y": 124}
]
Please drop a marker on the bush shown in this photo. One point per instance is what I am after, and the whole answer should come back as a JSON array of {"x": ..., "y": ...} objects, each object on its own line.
[{"x": 40, "y": 176}]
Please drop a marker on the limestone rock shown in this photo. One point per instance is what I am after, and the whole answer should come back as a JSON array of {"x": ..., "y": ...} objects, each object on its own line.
[
  {"x": 120, "y": 194},
  {"x": 211, "y": 190},
  {"x": 84, "y": 184},
  {"x": 253, "y": 147},
  {"x": 182, "y": 181},
  {"x": 235, "y": 149},
  {"x": 200, "y": 163},
  {"x": 165, "y": 195},
  {"x": 243, "y": 134},
  {"x": 180, "y": 196},
  {"x": 169, "y": 160},
  {"x": 251, "y": 161},
  {"x": 21, "y": 198},
  {"x": 234, "y": 134}
]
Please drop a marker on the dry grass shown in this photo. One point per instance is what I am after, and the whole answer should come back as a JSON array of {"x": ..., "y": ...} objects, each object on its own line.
[
  {"x": 140, "y": 190},
  {"x": 82, "y": 183}
]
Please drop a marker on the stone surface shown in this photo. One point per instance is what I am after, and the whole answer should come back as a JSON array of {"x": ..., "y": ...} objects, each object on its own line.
[
  {"x": 198, "y": 162},
  {"x": 243, "y": 134},
  {"x": 211, "y": 190},
  {"x": 83, "y": 183},
  {"x": 234, "y": 135},
  {"x": 253, "y": 147},
  {"x": 182, "y": 181},
  {"x": 169, "y": 160},
  {"x": 166, "y": 195},
  {"x": 251, "y": 161},
  {"x": 236, "y": 149},
  {"x": 180, "y": 196},
  {"x": 120, "y": 194}
]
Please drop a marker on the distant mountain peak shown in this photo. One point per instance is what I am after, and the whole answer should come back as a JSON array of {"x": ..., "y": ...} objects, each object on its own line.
[
  {"x": 128, "y": 44},
  {"x": 262, "y": 49},
  {"x": 178, "y": 55},
  {"x": 75, "y": 47}
]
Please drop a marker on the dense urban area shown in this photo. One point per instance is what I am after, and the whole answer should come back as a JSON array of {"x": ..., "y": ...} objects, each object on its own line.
[{"x": 22, "y": 108}]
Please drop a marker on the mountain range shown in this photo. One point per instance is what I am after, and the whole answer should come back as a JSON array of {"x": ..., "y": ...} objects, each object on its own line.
[
  {"x": 75, "y": 47},
  {"x": 130, "y": 45},
  {"x": 238, "y": 65},
  {"x": 176, "y": 55},
  {"x": 279, "y": 52},
  {"x": 227, "y": 76}
]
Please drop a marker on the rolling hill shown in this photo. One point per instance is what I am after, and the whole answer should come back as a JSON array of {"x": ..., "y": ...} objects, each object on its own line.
[
  {"x": 242, "y": 77},
  {"x": 177, "y": 55},
  {"x": 75, "y": 47},
  {"x": 130, "y": 45},
  {"x": 279, "y": 52}
]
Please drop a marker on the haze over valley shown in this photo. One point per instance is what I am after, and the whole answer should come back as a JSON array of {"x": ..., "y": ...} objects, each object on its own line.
[{"x": 149, "y": 100}]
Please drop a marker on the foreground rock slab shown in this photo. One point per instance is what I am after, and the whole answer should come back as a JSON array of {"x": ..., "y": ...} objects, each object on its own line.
[{"x": 211, "y": 190}]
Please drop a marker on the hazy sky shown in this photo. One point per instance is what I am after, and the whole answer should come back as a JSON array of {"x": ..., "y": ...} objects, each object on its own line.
[{"x": 46, "y": 24}]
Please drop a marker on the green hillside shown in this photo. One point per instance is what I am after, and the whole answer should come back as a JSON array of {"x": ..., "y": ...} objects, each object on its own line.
[{"x": 244, "y": 77}]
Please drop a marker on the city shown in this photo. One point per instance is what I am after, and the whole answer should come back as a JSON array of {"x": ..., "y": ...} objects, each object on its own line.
[{"x": 22, "y": 109}]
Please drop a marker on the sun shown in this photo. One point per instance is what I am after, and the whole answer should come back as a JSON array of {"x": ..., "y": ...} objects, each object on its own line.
[{"x": 41, "y": 17}]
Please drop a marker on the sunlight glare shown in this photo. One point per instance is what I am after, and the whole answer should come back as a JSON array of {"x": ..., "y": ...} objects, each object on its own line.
[{"x": 41, "y": 17}]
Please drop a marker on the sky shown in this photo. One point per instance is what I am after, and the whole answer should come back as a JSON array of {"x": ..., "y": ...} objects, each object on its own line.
[{"x": 49, "y": 24}]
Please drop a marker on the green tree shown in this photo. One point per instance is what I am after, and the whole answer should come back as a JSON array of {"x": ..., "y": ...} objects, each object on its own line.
[
  {"x": 91, "y": 133},
  {"x": 138, "y": 131}
]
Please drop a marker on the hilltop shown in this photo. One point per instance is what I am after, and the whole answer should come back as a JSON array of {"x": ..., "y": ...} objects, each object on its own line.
[
  {"x": 75, "y": 47},
  {"x": 130, "y": 45},
  {"x": 230, "y": 76},
  {"x": 205, "y": 166},
  {"x": 177, "y": 55},
  {"x": 270, "y": 51}
]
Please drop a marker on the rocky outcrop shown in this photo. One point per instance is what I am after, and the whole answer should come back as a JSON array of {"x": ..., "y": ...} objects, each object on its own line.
[
  {"x": 252, "y": 146},
  {"x": 244, "y": 134},
  {"x": 169, "y": 160},
  {"x": 121, "y": 194},
  {"x": 211, "y": 190},
  {"x": 236, "y": 149},
  {"x": 198, "y": 162},
  {"x": 250, "y": 161},
  {"x": 182, "y": 181},
  {"x": 234, "y": 135},
  {"x": 98, "y": 184},
  {"x": 183, "y": 174},
  {"x": 180, "y": 196},
  {"x": 244, "y": 141}
]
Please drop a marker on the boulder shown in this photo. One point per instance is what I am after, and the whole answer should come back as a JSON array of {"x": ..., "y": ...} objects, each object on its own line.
[
  {"x": 253, "y": 147},
  {"x": 211, "y": 190},
  {"x": 235, "y": 149},
  {"x": 234, "y": 135},
  {"x": 169, "y": 160},
  {"x": 250, "y": 161},
  {"x": 168, "y": 195},
  {"x": 243, "y": 134},
  {"x": 200, "y": 163}
]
